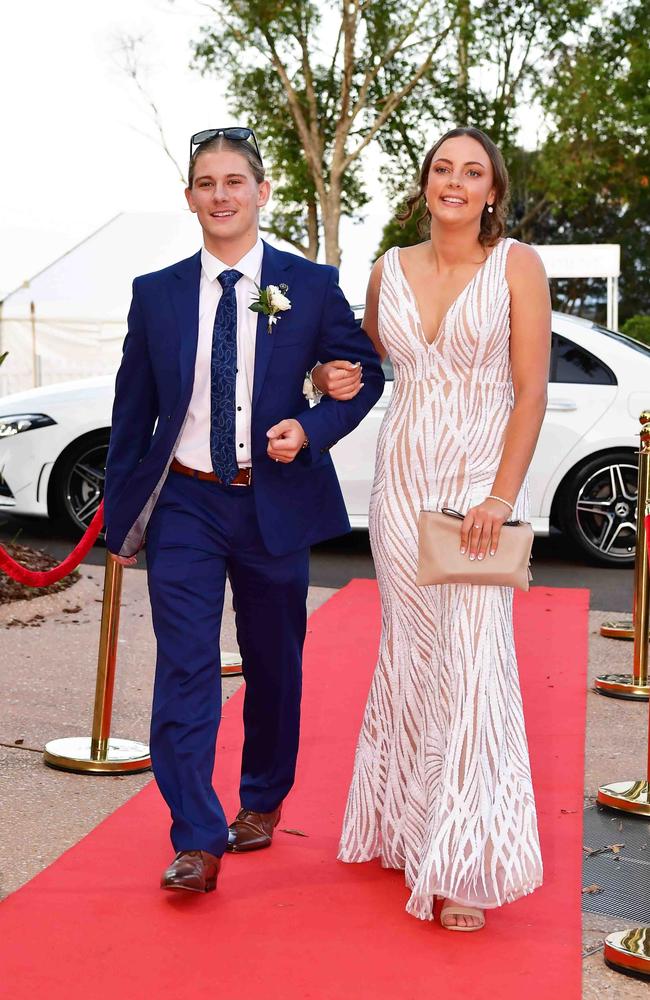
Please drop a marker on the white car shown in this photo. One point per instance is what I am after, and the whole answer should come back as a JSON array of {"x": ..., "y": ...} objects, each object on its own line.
[{"x": 53, "y": 443}]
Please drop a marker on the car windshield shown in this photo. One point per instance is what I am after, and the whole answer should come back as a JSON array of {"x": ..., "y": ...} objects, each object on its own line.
[{"x": 636, "y": 345}]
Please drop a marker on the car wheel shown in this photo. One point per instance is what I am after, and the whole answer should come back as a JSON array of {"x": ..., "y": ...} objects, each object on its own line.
[
  {"x": 78, "y": 481},
  {"x": 600, "y": 508}
]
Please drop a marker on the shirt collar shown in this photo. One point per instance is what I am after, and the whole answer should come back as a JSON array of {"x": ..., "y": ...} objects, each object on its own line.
[{"x": 250, "y": 264}]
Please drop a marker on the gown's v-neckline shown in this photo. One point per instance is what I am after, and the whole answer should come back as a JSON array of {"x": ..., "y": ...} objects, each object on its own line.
[{"x": 464, "y": 289}]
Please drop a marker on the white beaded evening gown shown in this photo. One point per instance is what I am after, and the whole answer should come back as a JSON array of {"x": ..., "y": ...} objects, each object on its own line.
[{"x": 441, "y": 785}]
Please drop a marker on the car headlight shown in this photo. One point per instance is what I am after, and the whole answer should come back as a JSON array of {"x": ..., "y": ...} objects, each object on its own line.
[{"x": 16, "y": 423}]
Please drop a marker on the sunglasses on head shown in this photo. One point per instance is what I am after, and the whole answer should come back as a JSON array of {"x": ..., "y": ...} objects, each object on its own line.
[{"x": 236, "y": 133}]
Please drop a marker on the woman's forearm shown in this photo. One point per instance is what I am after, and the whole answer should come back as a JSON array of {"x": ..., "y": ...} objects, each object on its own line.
[{"x": 522, "y": 432}]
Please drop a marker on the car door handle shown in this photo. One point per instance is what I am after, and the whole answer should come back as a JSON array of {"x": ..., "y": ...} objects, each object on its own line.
[{"x": 561, "y": 404}]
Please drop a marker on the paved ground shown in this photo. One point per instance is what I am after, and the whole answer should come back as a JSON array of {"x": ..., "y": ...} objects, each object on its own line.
[
  {"x": 50, "y": 644},
  {"x": 335, "y": 563},
  {"x": 615, "y": 750}
]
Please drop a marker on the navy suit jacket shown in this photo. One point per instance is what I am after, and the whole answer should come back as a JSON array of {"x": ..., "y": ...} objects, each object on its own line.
[{"x": 297, "y": 504}]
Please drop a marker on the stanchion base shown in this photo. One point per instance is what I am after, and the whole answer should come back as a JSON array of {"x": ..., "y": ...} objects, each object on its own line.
[
  {"x": 231, "y": 665},
  {"x": 73, "y": 754},
  {"x": 621, "y": 686},
  {"x": 627, "y": 796},
  {"x": 622, "y": 628},
  {"x": 629, "y": 951}
]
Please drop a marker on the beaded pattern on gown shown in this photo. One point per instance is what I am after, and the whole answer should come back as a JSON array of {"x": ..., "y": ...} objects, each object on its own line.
[{"x": 441, "y": 785}]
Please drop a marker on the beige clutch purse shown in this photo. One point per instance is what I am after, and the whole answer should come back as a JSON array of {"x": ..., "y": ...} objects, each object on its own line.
[{"x": 440, "y": 561}]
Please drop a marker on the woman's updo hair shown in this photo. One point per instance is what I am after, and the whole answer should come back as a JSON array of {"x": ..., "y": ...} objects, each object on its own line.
[
  {"x": 493, "y": 224},
  {"x": 241, "y": 146}
]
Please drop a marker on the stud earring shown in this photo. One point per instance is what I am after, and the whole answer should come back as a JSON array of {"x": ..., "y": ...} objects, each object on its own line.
[{"x": 490, "y": 208}]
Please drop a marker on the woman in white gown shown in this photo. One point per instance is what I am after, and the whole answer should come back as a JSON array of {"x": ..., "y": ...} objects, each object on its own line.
[{"x": 441, "y": 785}]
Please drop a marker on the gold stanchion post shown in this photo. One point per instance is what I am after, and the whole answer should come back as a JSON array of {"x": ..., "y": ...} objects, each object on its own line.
[
  {"x": 618, "y": 628},
  {"x": 635, "y": 686},
  {"x": 628, "y": 951},
  {"x": 231, "y": 665},
  {"x": 102, "y": 753},
  {"x": 623, "y": 628},
  {"x": 631, "y": 796}
]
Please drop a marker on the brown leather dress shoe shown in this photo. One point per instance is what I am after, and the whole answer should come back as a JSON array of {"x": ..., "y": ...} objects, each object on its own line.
[
  {"x": 252, "y": 831},
  {"x": 193, "y": 871}
]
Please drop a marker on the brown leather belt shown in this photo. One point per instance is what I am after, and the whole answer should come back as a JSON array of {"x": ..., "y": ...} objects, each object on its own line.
[{"x": 243, "y": 477}]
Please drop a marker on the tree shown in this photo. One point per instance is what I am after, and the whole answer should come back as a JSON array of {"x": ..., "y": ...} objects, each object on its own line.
[
  {"x": 595, "y": 166},
  {"x": 259, "y": 97},
  {"x": 129, "y": 51},
  {"x": 638, "y": 327},
  {"x": 336, "y": 100},
  {"x": 500, "y": 52}
]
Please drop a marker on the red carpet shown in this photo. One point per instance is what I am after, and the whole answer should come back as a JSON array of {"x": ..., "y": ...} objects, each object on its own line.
[{"x": 292, "y": 922}]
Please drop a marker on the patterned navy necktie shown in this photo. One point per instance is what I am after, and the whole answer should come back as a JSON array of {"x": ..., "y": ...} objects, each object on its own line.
[{"x": 223, "y": 373}]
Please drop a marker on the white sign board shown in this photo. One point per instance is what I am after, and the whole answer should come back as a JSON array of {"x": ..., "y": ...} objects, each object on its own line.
[{"x": 576, "y": 260}]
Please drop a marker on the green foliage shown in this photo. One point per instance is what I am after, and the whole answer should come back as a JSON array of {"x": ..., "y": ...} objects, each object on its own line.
[
  {"x": 317, "y": 80},
  {"x": 399, "y": 234},
  {"x": 600, "y": 107},
  {"x": 637, "y": 327},
  {"x": 502, "y": 51},
  {"x": 3, "y": 356},
  {"x": 589, "y": 181},
  {"x": 282, "y": 78},
  {"x": 396, "y": 72},
  {"x": 258, "y": 97},
  {"x": 594, "y": 168}
]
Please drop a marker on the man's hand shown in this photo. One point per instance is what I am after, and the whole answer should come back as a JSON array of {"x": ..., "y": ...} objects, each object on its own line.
[
  {"x": 124, "y": 560},
  {"x": 339, "y": 379},
  {"x": 285, "y": 440}
]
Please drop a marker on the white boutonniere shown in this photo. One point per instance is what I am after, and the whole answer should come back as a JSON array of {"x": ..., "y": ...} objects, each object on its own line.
[{"x": 271, "y": 300}]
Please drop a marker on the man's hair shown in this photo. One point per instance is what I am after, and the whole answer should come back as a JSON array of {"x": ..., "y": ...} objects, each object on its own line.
[{"x": 244, "y": 148}]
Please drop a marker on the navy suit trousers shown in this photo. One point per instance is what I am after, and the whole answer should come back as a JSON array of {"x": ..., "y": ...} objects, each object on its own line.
[{"x": 199, "y": 533}]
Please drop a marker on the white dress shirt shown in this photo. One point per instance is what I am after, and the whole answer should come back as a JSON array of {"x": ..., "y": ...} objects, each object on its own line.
[{"x": 194, "y": 446}]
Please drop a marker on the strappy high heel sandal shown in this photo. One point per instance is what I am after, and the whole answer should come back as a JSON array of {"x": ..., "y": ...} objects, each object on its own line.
[{"x": 458, "y": 910}]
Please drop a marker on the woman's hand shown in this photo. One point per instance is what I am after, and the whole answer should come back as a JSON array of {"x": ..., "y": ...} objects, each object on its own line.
[
  {"x": 481, "y": 528},
  {"x": 339, "y": 379}
]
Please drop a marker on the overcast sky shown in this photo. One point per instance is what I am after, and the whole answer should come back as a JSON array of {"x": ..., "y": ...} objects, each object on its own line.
[{"x": 74, "y": 154}]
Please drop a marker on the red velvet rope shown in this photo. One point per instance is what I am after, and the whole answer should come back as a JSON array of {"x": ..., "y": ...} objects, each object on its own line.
[{"x": 43, "y": 578}]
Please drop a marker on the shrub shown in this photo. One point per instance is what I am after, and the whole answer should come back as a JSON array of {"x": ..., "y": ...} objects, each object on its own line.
[{"x": 637, "y": 327}]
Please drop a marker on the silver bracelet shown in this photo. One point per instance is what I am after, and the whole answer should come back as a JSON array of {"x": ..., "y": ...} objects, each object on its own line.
[{"x": 491, "y": 496}]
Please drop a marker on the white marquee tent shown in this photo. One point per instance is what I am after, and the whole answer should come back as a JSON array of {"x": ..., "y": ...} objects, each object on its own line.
[
  {"x": 69, "y": 320},
  {"x": 587, "y": 260}
]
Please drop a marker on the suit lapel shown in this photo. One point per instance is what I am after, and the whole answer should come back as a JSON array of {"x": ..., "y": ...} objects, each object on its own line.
[
  {"x": 274, "y": 267},
  {"x": 185, "y": 284}
]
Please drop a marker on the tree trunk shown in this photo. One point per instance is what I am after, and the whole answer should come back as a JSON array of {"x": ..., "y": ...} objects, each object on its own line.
[
  {"x": 331, "y": 228},
  {"x": 462, "y": 80},
  {"x": 464, "y": 21},
  {"x": 331, "y": 212},
  {"x": 313, "y": 242}
]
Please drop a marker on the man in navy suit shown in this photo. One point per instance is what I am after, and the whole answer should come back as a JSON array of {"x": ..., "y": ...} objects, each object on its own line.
[{"x": 217, "y": 456}]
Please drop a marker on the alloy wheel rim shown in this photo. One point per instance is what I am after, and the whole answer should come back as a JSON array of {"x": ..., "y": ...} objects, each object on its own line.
[
  {"x": 606, "y": 511},
  {"x": 84, "y": 487}
]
